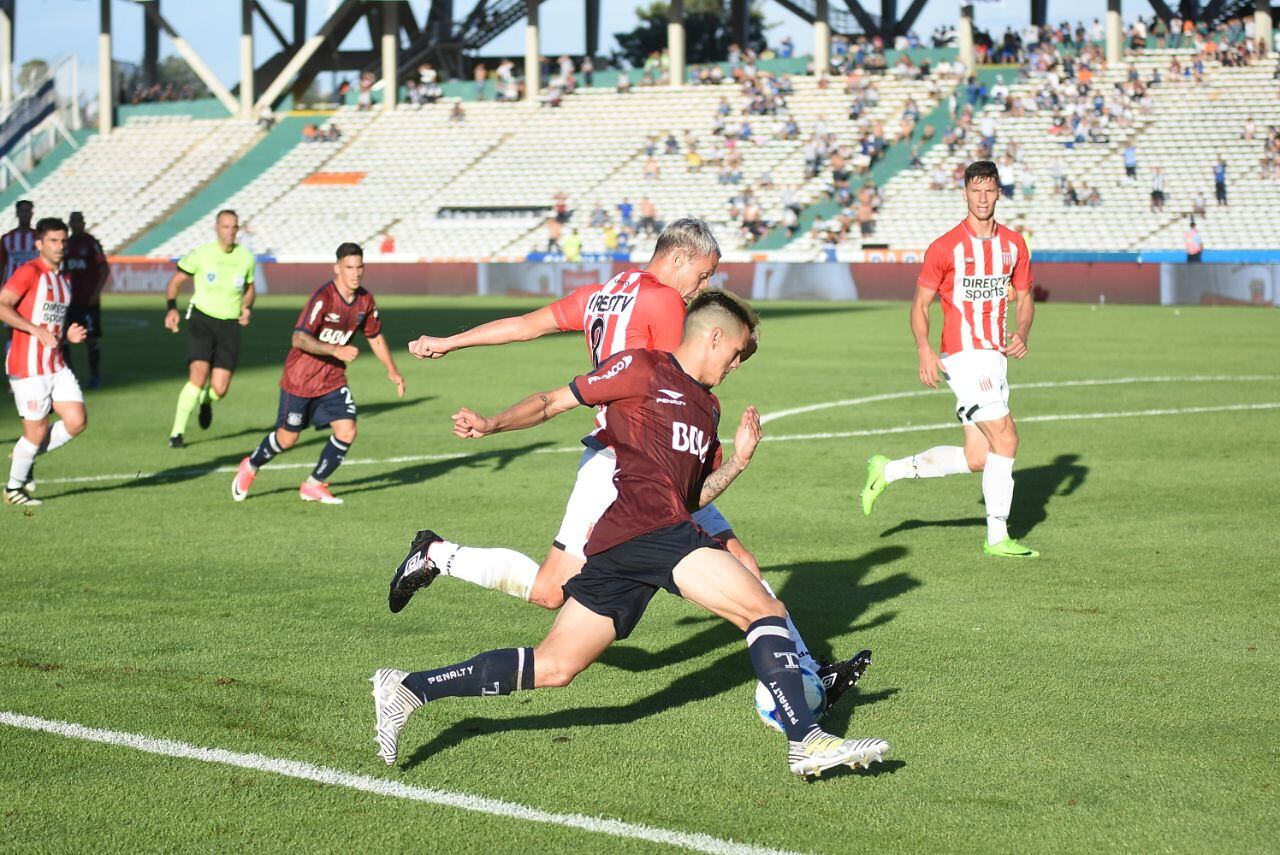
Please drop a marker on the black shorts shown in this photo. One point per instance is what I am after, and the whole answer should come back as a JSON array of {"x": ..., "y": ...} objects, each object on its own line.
[
  {"x": 619, "y": 582},
  {"x": 297, "y": 413},
  {"x": 213, "y": 340},
  {"x": 89, "y": 317}
]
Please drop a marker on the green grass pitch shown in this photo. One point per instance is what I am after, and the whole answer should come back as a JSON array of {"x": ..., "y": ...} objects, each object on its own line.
[{"x": 1119, "y": 693}]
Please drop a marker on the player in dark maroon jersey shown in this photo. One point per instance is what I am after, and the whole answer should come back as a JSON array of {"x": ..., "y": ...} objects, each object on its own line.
[
  {"x": 663, "y": 422},
  {"x": 86, "y": 265},
  {"x": 313, "y": 390}
]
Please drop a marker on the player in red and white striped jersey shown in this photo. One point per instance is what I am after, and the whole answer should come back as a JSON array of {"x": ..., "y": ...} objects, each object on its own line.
[
  {"x": 18, "y": 245},
  {"x": 973, "y": 269},
  {"x": 34, "y": 302}
]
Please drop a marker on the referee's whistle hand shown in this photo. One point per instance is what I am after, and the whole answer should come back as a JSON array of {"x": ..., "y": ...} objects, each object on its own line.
[{"x": 171, "y": 320}]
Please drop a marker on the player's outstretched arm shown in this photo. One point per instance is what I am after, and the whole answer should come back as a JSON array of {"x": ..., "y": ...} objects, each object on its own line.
[
  {"x": 378, "y": 344},
  {"x": 525, "y": 327},
  {"x": 533, "y": 410},
  {"x": 745, "y": 440},
  {"x": 176, "y": 282},
  {"x": 930, "y": 363},
  {"x": 1025, "y": 313}
]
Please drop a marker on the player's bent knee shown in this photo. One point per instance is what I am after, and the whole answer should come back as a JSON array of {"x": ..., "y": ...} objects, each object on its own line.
[
  {"x": 345, "y": 435},
  {"x": 286, "y": 439},
  {"x": 550, "y": 673},
  {"x": 977, "y": 460},
  {"x": 765, "y": 607}
]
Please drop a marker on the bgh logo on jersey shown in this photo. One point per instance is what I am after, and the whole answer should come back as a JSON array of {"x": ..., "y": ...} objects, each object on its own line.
[
  {"x": 691, "y": 439},
  {"x": 332, "y": 336}
]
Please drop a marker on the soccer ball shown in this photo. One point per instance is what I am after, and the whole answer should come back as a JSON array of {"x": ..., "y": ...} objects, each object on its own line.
[{"x": 814, "y": 693}]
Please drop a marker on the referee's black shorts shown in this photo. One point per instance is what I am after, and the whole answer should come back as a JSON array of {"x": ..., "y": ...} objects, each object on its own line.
[
  {"x": 213, "y": 340},
  {"x": 619, "y": 582}
]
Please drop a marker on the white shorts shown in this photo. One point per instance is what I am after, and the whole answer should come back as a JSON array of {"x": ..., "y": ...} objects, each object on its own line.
[
  {"x": 594, "y": 492},
  {"x": 35, "y": 395},
  {"x": 980, "y": 382}
]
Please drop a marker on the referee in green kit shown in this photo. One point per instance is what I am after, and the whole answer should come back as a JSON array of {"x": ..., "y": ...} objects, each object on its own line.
[{"x": 222, "y": 273}]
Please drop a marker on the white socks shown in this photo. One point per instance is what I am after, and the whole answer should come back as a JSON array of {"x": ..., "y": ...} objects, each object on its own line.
[
  {"x": 806, "y": 658},
  {"x": 24, "y": 457},
  {"x": 997, "y": 492},
  {"x": 496, "y": 568},
  {"x": 57, "y": 437},
  {"x": 934, "y": 463}
]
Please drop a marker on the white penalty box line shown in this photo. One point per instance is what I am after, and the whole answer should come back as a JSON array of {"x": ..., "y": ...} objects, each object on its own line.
[{"x": 380, "y": 786}]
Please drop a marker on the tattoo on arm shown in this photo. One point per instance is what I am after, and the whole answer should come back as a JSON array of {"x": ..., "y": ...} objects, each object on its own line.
[
  {"x": 546, "y": 405},
  {"x": 718, "y": 481},
  {"x": 308, "y": 343}
]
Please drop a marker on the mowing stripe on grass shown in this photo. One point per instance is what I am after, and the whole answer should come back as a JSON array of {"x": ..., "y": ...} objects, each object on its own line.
[
  {"x": 577, "y": 449},
  {"x": 1048, "y": 384},
  {"x": 382, "y": 787}
]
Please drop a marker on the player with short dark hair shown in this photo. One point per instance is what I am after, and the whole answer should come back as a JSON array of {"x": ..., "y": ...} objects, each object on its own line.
[
  {"x": 18, "y": 245},
  {"x": 86, "y": 266},
  {"x": 663, "y": 423},
  {"x": 222, "y": 274},
  {"x": 34, "y": 302},
  {"x": 313, "y": 390},
  {"x": 972, "y": 269}
]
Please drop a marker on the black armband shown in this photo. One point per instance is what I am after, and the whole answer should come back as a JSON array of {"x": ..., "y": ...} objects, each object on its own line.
[{"x": 172, "y": 304}]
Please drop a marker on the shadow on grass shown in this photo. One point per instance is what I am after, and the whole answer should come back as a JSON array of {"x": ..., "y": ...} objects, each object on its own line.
[
  {"x": 172, "y": 475},
  {"x": 810, "y": 591},
  {"x": 1033, "y": 490},
  {"x": 415, "y": 473}
]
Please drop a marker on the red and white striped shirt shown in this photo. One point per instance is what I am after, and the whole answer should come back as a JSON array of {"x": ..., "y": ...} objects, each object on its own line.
[
  {"x": 43, "y": 297},
  {"x": 632, "y": 311},
  {"x": 17, "y": 247},
  {"x": 972, "y": 276}
]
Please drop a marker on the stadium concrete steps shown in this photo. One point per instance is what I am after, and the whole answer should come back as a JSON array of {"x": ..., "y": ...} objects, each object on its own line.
[
  {"x": 896, "y": 158},
  {"x": 286, "y": 134},
  {"x": 50, "y": 162}
]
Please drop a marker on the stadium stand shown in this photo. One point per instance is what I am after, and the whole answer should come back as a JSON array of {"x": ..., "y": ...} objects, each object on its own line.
[
  {"x": 129, "y": 180},
  {"x": 1183, "y": 127}
]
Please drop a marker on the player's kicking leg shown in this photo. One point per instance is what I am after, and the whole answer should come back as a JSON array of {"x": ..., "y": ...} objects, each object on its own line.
[{"x": 715, "y": 580}]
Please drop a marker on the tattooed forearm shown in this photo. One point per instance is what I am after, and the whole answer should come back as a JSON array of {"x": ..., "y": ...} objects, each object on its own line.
[
  {"x": 546, "y": 405},
  {"x": 717, "y": 482}
]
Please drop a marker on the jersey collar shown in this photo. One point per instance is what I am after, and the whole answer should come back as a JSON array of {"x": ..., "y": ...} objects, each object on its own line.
[
  {"x": 969, "y": 230},
  {"x": 680, "y": 368}
]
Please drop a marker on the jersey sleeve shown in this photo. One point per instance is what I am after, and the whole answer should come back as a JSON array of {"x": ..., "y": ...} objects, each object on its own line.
[
  {"x": 312, "y": 313},
  {"x": 249, "y": 268},
  {"x": 570, "y": 310},
  {"x": 626, "y": 375},
  {"x": 372, "y": 323},
  {"x": 1021, "y": 278},
  {"x": 190, "y": 263},
  {"x": 935, "y": 269},
  {"x": 21, "y": 282},
  {"x": 663, "y": 317}
]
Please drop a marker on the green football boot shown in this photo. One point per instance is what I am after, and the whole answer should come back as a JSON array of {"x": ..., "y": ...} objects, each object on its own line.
[
  {"x": 1009, "y": 548},
  {"x": 875, "y": 482}
]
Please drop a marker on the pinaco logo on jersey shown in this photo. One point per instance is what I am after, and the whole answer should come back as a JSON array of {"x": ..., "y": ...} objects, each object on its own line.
[
  {"x": 614, "y": 370},
  {"x": 691, "y": 439}
]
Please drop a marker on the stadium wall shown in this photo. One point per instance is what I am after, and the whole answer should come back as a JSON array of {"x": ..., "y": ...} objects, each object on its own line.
[{"x": 1167, "y": 282}]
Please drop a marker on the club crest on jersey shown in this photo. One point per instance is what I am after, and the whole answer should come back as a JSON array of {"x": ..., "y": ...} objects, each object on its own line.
[
  {"x": 691, "y": 439},
  {"x": 1007, "y": 258},
  {"x": 670, "y": 396},
  {"x": 614, "y": 370}
]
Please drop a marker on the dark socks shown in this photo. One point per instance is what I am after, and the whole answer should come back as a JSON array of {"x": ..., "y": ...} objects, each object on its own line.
[
  {"x": 266, "y": 450},
  {"x": 331, "y": 457},
  {"x": 777, "y": 664},
  {"x": 498, "y": 672}
]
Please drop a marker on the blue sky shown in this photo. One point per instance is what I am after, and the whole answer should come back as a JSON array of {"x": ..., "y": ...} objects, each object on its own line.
[{"x": 49, "y": 29}]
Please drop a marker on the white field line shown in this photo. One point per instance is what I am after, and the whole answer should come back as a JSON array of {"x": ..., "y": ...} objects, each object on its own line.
[
  {"x": 1022, "y": 420},
  {"x": 849, "y": 402},
  {"x": 382, "y": 787},
  {"x": 577, "y": 449},
  {"x": 1050, "y": 384}
]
